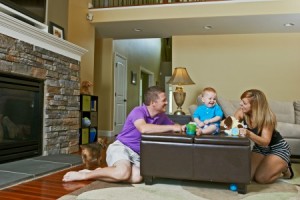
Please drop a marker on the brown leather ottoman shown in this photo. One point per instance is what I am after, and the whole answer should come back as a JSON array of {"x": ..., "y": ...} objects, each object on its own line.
[{"x": 215, "y": 158}]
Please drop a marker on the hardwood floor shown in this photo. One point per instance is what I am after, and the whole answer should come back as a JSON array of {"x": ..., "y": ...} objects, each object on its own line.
[{"x": 47, "y": 187}]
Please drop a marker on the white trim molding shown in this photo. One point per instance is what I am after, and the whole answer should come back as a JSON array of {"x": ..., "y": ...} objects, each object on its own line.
[
  {"x": 106, "y": 133},
  {"x": 20, "y": 30}
]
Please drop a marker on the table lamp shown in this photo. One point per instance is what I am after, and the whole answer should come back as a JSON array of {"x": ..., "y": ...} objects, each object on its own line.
[{"x": 180, "y": 77}]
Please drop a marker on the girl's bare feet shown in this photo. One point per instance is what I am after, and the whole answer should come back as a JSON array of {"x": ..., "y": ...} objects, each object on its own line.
[
  {"x": 85, "y": 170},
  {"x": 74, "y": 176},
  {"x": 288, "y": 173}
]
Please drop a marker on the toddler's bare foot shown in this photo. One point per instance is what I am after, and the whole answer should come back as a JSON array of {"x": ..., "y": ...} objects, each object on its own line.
[
  {"x": 74, "y": 176},
  {"x": 199, "y": 131}
]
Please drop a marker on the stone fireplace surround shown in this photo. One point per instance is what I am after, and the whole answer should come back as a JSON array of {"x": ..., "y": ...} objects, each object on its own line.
[{"x": 28, "y": 51}]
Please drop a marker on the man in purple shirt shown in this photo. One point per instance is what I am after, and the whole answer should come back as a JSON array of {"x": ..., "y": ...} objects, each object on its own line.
[{"x": 123, "y": 156}]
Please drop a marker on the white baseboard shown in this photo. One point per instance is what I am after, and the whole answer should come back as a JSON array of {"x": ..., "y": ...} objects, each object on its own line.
[{"x": 106, "y": 133}]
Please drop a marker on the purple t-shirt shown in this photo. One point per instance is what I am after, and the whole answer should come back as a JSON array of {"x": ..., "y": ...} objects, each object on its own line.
[{"x": 130, "y": 136}]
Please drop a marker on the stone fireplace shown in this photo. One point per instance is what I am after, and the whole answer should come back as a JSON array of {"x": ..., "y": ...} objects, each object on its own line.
[{"x": 28, "y": 52}]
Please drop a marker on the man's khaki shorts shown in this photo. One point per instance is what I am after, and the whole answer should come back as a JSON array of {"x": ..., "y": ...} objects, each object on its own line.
[{"x": 118, "y": 151}]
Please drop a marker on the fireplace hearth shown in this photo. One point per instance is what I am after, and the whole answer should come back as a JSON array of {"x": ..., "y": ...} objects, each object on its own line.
[{"x": 21, "y": 117}]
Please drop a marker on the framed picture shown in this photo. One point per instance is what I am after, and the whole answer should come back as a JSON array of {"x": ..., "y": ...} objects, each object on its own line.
[
  {"x": 56, "y": 30},
  {"x": 133, "y": 78}
]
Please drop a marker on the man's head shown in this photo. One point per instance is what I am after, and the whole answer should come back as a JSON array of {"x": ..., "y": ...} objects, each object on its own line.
[
  {"x": 155, "y": 96},
  {"x": 152, "y": 94}
]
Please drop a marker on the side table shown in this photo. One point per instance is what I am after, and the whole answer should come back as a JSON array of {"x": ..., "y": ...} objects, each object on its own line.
[{"x": 180, "y": 119}]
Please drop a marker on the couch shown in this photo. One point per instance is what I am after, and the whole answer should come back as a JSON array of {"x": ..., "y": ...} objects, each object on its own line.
[
  {"x": 287, "y": 113},
  {"x": 213, "y": 158}
]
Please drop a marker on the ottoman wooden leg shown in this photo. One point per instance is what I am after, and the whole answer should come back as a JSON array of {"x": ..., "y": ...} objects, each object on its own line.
[
  {"x": 242, "y": 188},
  {"x": 148, "y": 180}
]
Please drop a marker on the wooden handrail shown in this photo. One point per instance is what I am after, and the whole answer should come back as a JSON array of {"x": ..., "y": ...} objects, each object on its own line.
[{"x": 122, "y": 3}]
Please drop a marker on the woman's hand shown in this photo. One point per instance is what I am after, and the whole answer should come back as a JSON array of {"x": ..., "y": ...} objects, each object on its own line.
[{"x": 244, "y": 132}]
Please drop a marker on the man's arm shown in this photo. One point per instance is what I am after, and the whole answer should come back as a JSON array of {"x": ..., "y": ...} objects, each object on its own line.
[{"x": 145, "y": 128}]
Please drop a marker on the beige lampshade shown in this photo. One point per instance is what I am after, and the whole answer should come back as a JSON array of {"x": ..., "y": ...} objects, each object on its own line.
[{"x": 180, "y": 77}]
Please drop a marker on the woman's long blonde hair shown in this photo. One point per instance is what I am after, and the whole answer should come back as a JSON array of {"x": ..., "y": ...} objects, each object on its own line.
[{"x": 261, "y": 114}]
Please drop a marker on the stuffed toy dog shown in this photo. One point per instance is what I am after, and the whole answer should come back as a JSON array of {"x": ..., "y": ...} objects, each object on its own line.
[
  {"x": 231, "y": 126},
  {"x": 85, "y": 87}
]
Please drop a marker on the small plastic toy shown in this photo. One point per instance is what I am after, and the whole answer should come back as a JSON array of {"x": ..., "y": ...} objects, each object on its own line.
[
  {"x": 233, "y": 187},
  {"x": 86, "y": 122}
]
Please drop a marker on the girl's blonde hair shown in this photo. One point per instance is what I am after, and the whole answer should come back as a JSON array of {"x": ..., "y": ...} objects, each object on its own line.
[{"x": 261, "y": 114}]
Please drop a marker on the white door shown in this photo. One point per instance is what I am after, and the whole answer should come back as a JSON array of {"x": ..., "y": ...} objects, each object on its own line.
[
  {"x": 169, "y": 94},
  {"x": 120, "y": 92}
]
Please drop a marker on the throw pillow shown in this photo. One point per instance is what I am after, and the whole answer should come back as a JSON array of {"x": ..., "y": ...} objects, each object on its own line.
[
  {"x": 284, "y": 111},
  {"x": 228, "y": 106},
  {"x": 297, "y": 111},
  {"x": 192, "y": 109}
]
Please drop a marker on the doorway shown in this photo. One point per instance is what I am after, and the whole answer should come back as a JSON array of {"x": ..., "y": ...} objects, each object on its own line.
[{"x": 146, "y": 80}]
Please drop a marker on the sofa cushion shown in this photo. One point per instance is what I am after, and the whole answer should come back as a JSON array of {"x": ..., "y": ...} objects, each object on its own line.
[
  {"x": 192, "y": 109},
  {"x": 297, "y": 111},
  {"x": 284, "y": 111},
  {"x": 288, "y": 130},
  {"x": 228, "y": 106}
]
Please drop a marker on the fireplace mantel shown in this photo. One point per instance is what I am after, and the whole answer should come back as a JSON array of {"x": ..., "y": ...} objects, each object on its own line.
[{"x": 20, "y": 30}]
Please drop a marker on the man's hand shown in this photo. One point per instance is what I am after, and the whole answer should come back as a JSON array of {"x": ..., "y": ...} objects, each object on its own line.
[
  {"x": 183, "y": 128},
  {"x": 177, "y": 128}
]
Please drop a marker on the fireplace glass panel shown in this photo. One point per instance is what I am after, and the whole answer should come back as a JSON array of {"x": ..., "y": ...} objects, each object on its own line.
[{"x": 21, "y": 118}]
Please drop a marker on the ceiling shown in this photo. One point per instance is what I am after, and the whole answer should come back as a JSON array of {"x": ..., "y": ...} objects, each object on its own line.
[
  {"x": 235, "y": 21},
  {"x": 198, "y": 26}
]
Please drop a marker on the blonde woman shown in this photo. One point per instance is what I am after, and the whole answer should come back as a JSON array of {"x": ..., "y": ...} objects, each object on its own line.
[{"x": 270, "y": 158}]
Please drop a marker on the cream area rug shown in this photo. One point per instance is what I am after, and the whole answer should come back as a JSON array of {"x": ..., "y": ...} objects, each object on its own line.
[{"x": 169, "y": 189}]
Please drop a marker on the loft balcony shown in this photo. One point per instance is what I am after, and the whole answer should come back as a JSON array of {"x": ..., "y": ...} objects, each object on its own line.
[
  {"x": 165, "y": 19},
  {"x": 123, "y": 3}
]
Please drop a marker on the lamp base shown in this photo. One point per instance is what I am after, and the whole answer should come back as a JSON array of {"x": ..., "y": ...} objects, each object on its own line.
[
  {"x": 179, "y": 112},
  {"x": 179, "y": 97}
]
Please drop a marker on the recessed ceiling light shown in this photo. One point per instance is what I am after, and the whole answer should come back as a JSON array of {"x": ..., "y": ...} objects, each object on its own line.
[
  {"x": 289, "y": 24},
  {"x": 207, "y": 27},
  {"x": 137, "y": 30}
]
